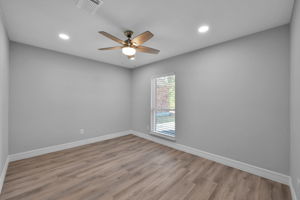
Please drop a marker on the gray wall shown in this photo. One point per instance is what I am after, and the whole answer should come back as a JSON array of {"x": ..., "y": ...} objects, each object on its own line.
[
  {"x": 295, "y": 97},
  {"x": 53, "y": 95},
  {"x": 4, "y": 50},
  {"x": 231, "y": 99}
]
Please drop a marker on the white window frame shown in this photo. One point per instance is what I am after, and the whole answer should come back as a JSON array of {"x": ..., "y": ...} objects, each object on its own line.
[{"x": 153, "y": 109}]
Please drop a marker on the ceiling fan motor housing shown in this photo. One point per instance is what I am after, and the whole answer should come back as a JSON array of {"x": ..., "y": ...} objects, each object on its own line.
[
  {"x": 91, "y": 6},
  {"x": 128, "y": 33}
]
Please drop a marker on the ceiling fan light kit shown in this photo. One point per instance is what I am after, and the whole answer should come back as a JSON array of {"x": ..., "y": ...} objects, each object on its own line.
[
  {"x": 128, "y": 51},
  {"x": 131, "y": 46}
]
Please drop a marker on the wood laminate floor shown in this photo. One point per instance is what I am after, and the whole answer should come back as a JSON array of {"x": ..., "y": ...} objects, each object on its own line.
[{"x": 134, "y": 169}]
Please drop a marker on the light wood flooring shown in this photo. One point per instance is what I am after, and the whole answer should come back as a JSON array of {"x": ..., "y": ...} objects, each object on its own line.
[{"x": 134, "y": 169}]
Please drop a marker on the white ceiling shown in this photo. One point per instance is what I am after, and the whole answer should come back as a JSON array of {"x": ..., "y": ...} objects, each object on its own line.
[{"x": 174, "y": 24}]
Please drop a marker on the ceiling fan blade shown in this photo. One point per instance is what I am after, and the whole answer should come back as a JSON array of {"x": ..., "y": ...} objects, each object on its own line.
[
  {"x": 142, "y": 38},
  {"x": 147, "y": 50},
  {"x": 112, "y": 37},
  {"x": 111, "y": 48}
]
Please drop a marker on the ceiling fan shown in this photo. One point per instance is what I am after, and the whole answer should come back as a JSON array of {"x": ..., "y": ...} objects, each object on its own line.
[{"x": 131, "y": 46}]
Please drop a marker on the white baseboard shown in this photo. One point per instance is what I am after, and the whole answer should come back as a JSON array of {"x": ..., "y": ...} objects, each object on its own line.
[
  {"x": 294, "y": 197},
  {"x": 3, "y": 173},
  {"x": 50, "y": 149},
  {"x": 275, "y": 176}
]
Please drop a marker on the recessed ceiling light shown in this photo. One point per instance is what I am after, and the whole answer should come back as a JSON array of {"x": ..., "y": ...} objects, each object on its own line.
[
  {"x": 203, "y": 29},
  {"x": 64, "y": 36}
]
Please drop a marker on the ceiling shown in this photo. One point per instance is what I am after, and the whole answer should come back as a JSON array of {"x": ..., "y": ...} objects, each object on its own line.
[{"x": 174, "y": 24}]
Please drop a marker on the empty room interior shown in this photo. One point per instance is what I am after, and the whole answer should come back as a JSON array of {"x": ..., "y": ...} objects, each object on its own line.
[{"x": 149, "y": 100}]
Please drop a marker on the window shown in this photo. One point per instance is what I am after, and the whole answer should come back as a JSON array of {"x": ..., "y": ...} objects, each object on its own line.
[{"x": 163, "y": 106}]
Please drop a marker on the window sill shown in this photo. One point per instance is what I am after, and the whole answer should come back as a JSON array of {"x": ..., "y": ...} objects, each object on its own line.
[{"x": 163, "y": 136}]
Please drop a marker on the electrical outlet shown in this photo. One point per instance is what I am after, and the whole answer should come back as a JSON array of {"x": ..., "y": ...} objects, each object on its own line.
[{"x": 81, "y": 131}]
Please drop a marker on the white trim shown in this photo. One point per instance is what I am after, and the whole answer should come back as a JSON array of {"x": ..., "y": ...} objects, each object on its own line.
[
  {"x": 163, "y": 136},
  {"x": 153, "y": 103},
  {"x": 3, "y": 173},
  {"x": 294, "y": 196},
  {"x": 50, "y": 149},
  {"x": 275, "y": 176},
  {"x": 163, "y": 74}
]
